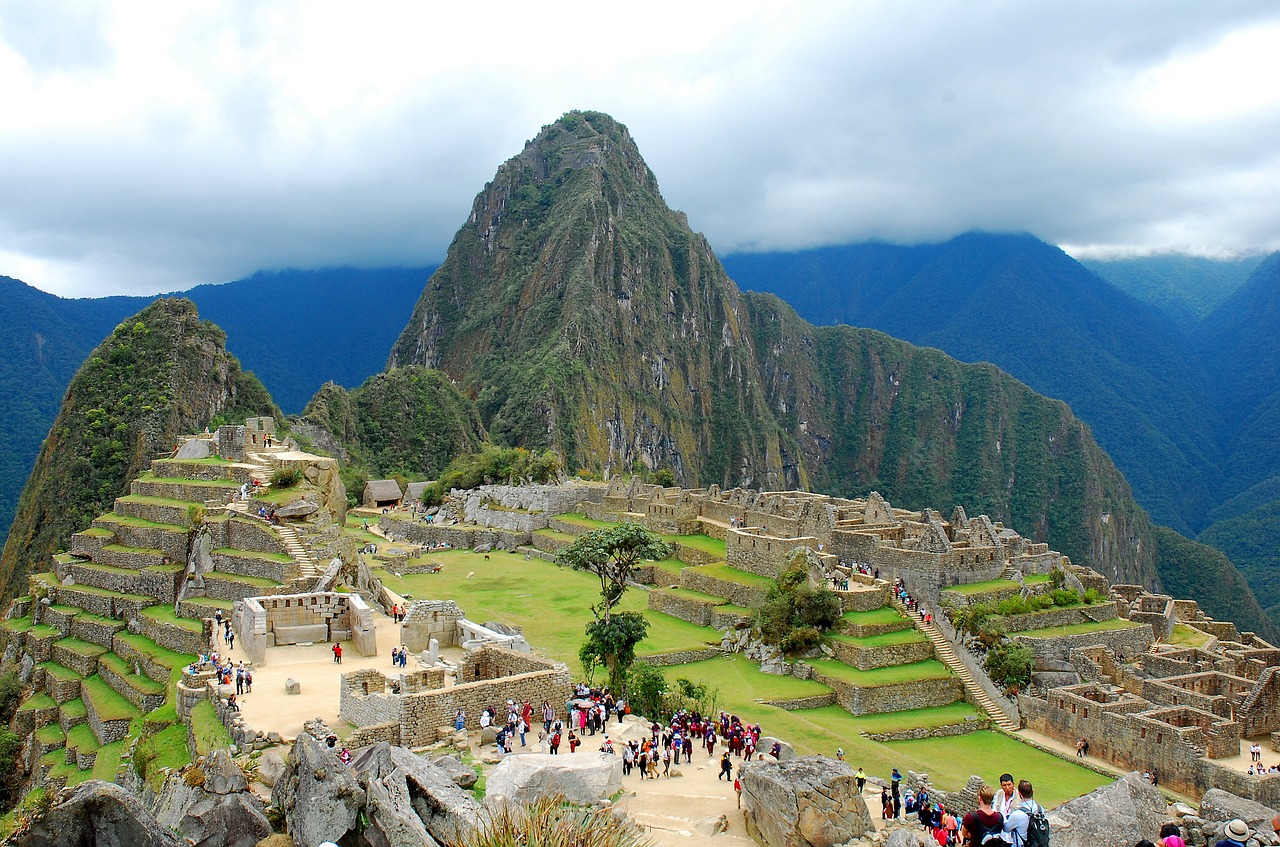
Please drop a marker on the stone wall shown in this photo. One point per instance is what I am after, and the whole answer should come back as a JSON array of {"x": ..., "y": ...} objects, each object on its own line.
[
  {"x": 428, "y": 619},
  {"x": 461, "y": 537},
  {"x": 681, "y": 657},
  {"x": 918, "y": 694},
  {"x": 763, "y": 555},
  {"x": 425, "y": 712},
  {"x": 1129, "y": 642},
  {"x": 700, "y": 612},
  {"x": 867, "y": 658},
  {"x": 173, "y": 637},
  {"x": 153, "y": 669},
  {"x": 864, "y": 598},
  {"x": 1059, "y": 616},
  {"x": 194, "y": 492},
  {"x": 254, "y": 566},
  {"x": 365, "y": 700},
  {"x": 184, "y": 469},
  {"x": 271, "y": 620},
  {"x": 106, "y": 731}
]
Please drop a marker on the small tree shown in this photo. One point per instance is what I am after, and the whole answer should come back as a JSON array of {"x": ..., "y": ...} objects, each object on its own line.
[
  {"x": 612, "y": 555},
  {"x": 1010, "y": 664}
]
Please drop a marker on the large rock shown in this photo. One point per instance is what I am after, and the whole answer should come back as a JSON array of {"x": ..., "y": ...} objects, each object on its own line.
[
  {"x": 1124, "y": 812},
  {"x": 270, "y": 768},
  {"x": 462, "y": 776},
  {"x": 530, "y": 777},
  {"x": 444, "y": 810},
  {"x": 1221, "y": 806},
  {"x": 98, "y": 814},
  {"x": 785, "y": 750},
  {"x": 320, "y": 797},
  {"x": 810, "y": 801},
  {"x": 210, "y": 805},
  {"x": 196, "y": 448}
]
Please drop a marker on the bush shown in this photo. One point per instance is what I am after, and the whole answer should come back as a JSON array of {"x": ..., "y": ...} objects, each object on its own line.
[
  {"x": 800, "y": 639},
  {"x": 646, "y": 687},
  {"x": 286, "y": 477},
  {"x": 551, "y": 822},
  {"x": 492, "y": 464},
  {"x": 1010, "y": 664}
]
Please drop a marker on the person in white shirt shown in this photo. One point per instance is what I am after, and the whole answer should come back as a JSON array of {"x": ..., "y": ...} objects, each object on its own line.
[
  {"x": 1016, "y": 822},
  {"x": 1006, "y": 798}
]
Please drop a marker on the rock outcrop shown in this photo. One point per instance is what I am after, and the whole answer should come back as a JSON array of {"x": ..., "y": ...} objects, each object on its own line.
[
  {"x": 319, "y": 795},
  {"x": 98, "y": 814},
  {"x": 534, "y": 776},
  {"x": 811, "y": 801},
  {"x": 1124, "y": 812},
  {"x": 210, "y": 804}
]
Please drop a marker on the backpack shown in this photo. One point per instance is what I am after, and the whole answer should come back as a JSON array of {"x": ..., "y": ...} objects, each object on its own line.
[{"x": 1037, "y": 826}]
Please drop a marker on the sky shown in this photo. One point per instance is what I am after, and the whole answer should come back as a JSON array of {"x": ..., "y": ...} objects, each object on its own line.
[{"x": 153, "y": 146}]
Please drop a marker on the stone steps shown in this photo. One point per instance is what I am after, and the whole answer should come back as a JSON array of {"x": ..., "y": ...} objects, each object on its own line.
[{"x": 947, "y": 655}]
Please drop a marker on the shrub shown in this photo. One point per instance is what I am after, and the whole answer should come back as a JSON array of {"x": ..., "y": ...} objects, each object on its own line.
[
  {"x": 286, "y": 477},
  {"x": 800, "y": 639},
  {"x": 1009, "y": 664},
  {"x": 1065, "y": 597},
  {"x": 551, "y": 822}
]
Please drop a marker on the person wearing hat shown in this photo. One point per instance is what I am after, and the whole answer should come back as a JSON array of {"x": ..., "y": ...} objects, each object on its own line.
[{"x": 1235, "y": 834}]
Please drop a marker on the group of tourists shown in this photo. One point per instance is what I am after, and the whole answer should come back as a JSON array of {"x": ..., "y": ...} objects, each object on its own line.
[
  {"x": 399, "y": 657},
  {"x": 1009, "y": 817}
]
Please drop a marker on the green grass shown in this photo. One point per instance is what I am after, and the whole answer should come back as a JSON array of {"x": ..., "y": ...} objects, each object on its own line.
[
  {"x": 142, "y": 684},
  {"x": 108, "y": 761},
  {"x": 81, "y": 737},
  {"x": 579, "y": 519},
  {"x": 697, "y": 596},
  {"x": 121, "y": 548},
  {"x": 160, "y": 655},
  {"x": 73, "y": 709},
  {"x": 85, "y": 617},
  {"x": 71, "y": 774},
  {"x": 96, "y": 532},
  {"x": 929, "y": 669},
  {"x": 883, "y": 615},
  {"x": 207, "y": 730},
  {"x": 701, "y": 543},
  {"x": 227, "y": 484},
  {"x": 248, "y": 554},
  {"x": 936, "y": 716},
  {"x": 148, "y": 500},
  {"x": 81, "y": 648},
  {"x": 43, "y": 631},
  {"x": 165, "y": 749},
  {"x": 671, "y": 567},
  {"x": 723, "y": 572},
  {"x": 556, "y": 534},
  {"x": 207, "y": 460},
  {"x": 107, "y": 592},
  {"x": 59, "y": 672},
  {"x": 255, "y": 581},
  {"x": 50, "y": 734},
  {"x": 165, "y": 614},
  {"x": 901, "y": 636},
  {"x": 142, "y": 523},
  {"x": 106, "y": 702},
  {"x": 990, "y": 753},
  {"x": 985, "y": 587},
  {"x": 1188, "y": 636},
  {"x": 39, "y": 700},
  {"x": 737, "y": 679},
  {"x": 18, "y": 624},
  {"x": 1077, "y": 628},
  {"x": 548, "y": 602}
]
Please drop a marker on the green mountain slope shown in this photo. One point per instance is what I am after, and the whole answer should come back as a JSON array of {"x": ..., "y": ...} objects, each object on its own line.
[
  {"x": 1186, "y": 288},
  {"x": 161, "y": 373},
  {"x": 410, "y": 420},
  {"x": 585, "y": 316}
]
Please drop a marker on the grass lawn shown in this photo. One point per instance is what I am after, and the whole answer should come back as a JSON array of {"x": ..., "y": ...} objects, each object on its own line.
[
  {"x": 548, "y": 602},
  {"x": 81, "y": 737},
  {"x": 671, "y": 567},
  {"x": 255, "y": 581},
  {"x": 147, "y": 500},
  {"x": 207, "y": 730},
  {"x": 165, "y": 614},
  {"x": 556, "y": 534},
  {"x": 18, "y": 624},
  {"x": 1077, "y": 628},
  {"x": 129, "y": 520},
  {"x": 73, "y": 709},
  {"x": 883, "y": 615},
  {"x": 50, "y": 734},
  {"x": 728, "y": 574},
  {"x": 227, "y": 484},
  {"x": 81, "y": 648},
  {"x": 165, "y": 749},
  {"x": 1188, "y": 636},
  {"x": 59, "y": 672},
  {"x": 929, "y": 669},
  {"x": 901, "y": 636},
  {"x": 106, "y": 702},
  {"x": 579, "y": 519},
  {"x": 698, "y": 596},
  {"x": 161, "y": 655},
  {"x": 737, "y": 679},
  {"x": 701, "y": 543},
  {"x": 989, "y": 585},
  {"x": 121, "y": 668},
  {"x": 249, "y": 554},
  {"x": 108, "y": 761},
  {"x": 39, "y": 700},
  {"x": 991, "y": 753}
]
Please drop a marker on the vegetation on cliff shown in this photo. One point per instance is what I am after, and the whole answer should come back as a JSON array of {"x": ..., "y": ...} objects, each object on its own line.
[
  {"x": 161, "y": 373},
  {"x": 411, "y": 421}
]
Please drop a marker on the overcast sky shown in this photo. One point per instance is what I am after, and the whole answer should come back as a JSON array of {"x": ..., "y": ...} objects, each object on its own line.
[{"x": 148, "y": 147}]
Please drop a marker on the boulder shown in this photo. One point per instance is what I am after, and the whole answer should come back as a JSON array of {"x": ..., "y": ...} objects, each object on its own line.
[
  {"x": 297, "y": 509},
  {"x": 583, "y": 779},
  {"x": 446, "y": 812},
  {"x": 292, "y": 686},
  {"x": 484, "y": 547},
  {"x": 904, "y": 838},
  {"x": 98, "y": 813},
  {"x": 195, "y": 449},
  {"x": 1124, "y": 812},
  {"x": 270, "y": 768},
  {"x": 462, "y": 776},
  {"x": 1221, "y": 806},
  {"x": 785, "y": 750},
  {"x": 392, "y": 819},
  {"x": 811, "y": 801},
  {"x": 320, "y": 797},
  {"x": 713, "y": 825},
  {"x": 489, "y": 735}
]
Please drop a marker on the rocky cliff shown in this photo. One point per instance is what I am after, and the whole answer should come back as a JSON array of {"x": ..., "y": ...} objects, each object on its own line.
[{"x": 161, "y": 373}]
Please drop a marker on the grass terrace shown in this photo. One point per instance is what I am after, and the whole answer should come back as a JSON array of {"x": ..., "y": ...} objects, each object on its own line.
[
  {"x": 222, "y": 484},
  {"x": 883, "y": 615},
  {"x": 730, "y": 574},
  {"x": 81, "y": 648},
  {"x": 884, "y": 639},
  {"x": 207, "y": 460},
  {"x": 129, "y": 520},
  {"x": 997, "y": 585},
  {"x": 1077, "y": 629},
  {"x": 689, "y": 594},
  {"x": 928, "y": 669},
  {"x": 283, "y": 558},
  {"x": 96, "y": 532},
  {"x": 60, "y": 672},
  {"x": 74, "y": 709},
  {"x": 17, "y": 624},
  {"x": 106, "y": 701},
  {"x": 207, "y": 730},
  {"x": 165, "y": 614},
  {"x": 39, "y": 700},
  {"x": 138, "y": 682},
  {"x": 1188, "y": 636},
  {"x": 147, "y": 500}
]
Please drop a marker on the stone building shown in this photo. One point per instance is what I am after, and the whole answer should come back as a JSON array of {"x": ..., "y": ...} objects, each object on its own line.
[{"x": 381, "y": 494}]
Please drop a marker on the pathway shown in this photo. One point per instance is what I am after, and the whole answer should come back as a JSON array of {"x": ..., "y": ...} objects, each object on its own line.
[{"x": 947, "y": 655}]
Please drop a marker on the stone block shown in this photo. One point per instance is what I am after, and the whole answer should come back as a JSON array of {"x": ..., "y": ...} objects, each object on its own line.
[
  {"x": 297, "y": 634},
  {"x": 810, "y": 801},
  {"x": 292, "y": 686}
]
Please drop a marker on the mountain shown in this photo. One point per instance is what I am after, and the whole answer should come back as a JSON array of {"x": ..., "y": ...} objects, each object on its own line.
[
  {"x": 585, "y": 316},
  {"x": 1185, "y": 288},
  {"x": 295, "y": 329},
  {"x": 160, "y": 373},
  {"x": 1038, "y": 314},
  {"x": 410, "y": 420}
]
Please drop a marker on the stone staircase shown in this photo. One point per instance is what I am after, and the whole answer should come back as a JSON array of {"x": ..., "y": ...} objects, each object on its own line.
[
  {"x": 289, "y": 536},
  {"x": 947, "y": 655}
]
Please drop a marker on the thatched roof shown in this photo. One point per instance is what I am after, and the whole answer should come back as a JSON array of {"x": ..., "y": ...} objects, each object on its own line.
[
  {"x": 382, "y": 491},
  {"x": 413, "y": 491}
]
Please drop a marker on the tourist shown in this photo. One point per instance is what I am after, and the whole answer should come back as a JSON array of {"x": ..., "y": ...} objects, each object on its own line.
[
  {"x": 984, "y": 824},
  {"x": 395, "y": 656},
  {"x": 1171, "y": 836},
  {"x": 548, "y": 715},
  {"x": 1017, "y": 822},
  {"x": 1235, "y": 834},
  {"x": 861, "y": 777},
  {"x": 737, "y": 789},
  {"x": 240, "y": 679},
  {"x": 628, "y": 758},
  {"x": 1006, "y": 798},
  {"x": 555, "y": 743},
  {"x": 573, "y": 741},
  {"x": 337, "y": 654},
  {"x": 460, "y": 720},
  {"x": 886, "y": 804},
  {"x": 486, "y": 719},
  {"x": 248, "y": 680},
  {"x": 345, "y": 756},
  {"x": 726, "y": 767}
]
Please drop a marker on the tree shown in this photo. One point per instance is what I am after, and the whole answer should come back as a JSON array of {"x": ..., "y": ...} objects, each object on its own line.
[
  {"x": 612, "y": 555},
  {"x": 1010, "y": 664}
]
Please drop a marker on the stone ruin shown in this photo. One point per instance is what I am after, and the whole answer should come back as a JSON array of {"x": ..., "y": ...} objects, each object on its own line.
[
  {"x": 811, "y": 801},
  {"x": 279, "y": 619}
]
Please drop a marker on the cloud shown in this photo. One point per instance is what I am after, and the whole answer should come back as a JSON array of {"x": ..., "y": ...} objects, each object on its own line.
[{"x": 151, "y": 147}]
